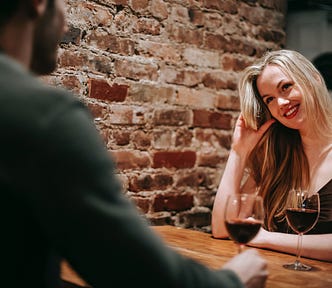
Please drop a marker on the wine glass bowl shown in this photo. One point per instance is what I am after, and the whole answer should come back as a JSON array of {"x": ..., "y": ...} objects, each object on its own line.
[
  {"x": 302, "y": 212},
  {"x": 244, "y": 216}
]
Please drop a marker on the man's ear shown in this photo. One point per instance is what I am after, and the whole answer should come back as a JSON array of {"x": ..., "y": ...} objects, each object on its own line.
[{"x": 36, "y": 8}]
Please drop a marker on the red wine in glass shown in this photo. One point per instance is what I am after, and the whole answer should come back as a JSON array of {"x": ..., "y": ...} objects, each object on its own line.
[
  {"x": 244, "y": 214},
  {"x": 301, "y": 220},
  {"x": 243, "y": 231},
  {"x": 302, "y": 212}
]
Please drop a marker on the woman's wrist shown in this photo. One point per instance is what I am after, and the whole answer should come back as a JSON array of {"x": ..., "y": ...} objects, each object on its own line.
[{"x": 239, "y": 154}]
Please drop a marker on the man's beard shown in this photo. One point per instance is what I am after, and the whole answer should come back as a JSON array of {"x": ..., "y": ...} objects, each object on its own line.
[
  {"x": 43, "y": 65},
  {"x": 45, "y": 45}
]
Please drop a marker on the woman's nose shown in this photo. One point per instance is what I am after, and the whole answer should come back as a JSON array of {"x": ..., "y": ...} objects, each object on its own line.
[{"x": 282, "y": 101}]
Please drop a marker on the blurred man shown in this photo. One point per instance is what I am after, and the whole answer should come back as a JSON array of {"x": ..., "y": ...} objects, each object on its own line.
[{"x": 60, "y": 196}]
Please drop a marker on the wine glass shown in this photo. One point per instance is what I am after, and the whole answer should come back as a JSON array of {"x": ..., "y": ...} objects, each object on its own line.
[
  {"x": 244, "y": 216},
  {"x": 302, "y": 213}
]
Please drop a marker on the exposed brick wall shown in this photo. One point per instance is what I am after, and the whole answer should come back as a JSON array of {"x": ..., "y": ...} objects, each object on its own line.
[{"x": 160, "y": 77}]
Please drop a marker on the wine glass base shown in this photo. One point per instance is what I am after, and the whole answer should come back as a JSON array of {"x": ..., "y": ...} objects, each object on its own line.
[{"x": 297, "y": 266}]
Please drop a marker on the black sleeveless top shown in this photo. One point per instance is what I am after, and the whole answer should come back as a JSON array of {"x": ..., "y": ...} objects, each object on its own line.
[{"x": 324, "y": 223}]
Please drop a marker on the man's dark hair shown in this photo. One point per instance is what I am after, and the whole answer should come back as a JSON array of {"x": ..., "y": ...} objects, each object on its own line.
[{"x": 9, "y": 7}]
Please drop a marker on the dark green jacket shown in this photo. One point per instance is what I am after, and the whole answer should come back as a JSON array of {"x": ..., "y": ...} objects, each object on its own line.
[{"x": 60, "y": 198}]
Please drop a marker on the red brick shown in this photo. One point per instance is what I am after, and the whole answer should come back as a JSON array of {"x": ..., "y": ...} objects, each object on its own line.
[
  {"x": 234, "y": 63},
  {"x": 171, "y": 117},
  {"x": 164, "y": 51},
  {"x": 201, "y": 58},
  {"x": 185, "y": 35},
  {"x": 197, "y": 16},
  {"x": 228, "y": 102},
  {"x": 73, "y": 35},
  {"x": 148, "y": 182},
  {"x": 141, "y": 182},
  {"x": 122, "y": 115},
  {"x": 131, "y": 160},
  {"x": 162, "y": 139},
  {"x": 222, "y": 137},
  {"x": 159, "y": 9},
  {"x": 216, "y": 41},
  {"x": 90, "y": 14},
  {"x": 121, "y": 137},
  {"x": 162, "y": 181},
  {"x": 96, "y": 110},
  {"x": 191, "y": 97},
  {"x": 217, "y": 80},
  {"x": 147, "y": 26},
  {"x": 145, "y": 93},
  {"x": 104, "y": 41},
  {"x": 123, "y": 20},
  {"x": 68, "y": 58},
  {"x": 225, "y": 141},
  {"x": 228, "y": 6},
  {"x": 100, "y": 89},
  {"x": 142, "y": 203},
  {"x": 209, "y": 119},
  {"x": 138, "y": 5},
  {"x": 141, "y": 140},
  {"x": 137, "y": 71},
  {"x": 241, "y": 46},
  {"x": 210, "y": 160},
  {"x": 272, "y": 35},
  {"x": 193, "y": 179},
  {"x": 173, "y": 202},
  {"x": 174, "y": 159},
  {"x": 188, "y": 78},
  {"x": 183, "y": 138}
]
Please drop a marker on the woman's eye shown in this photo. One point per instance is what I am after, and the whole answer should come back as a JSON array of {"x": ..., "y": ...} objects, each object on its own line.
[
  {"x": 268, "y": 100},
  {"x": 286, "y": 86}
]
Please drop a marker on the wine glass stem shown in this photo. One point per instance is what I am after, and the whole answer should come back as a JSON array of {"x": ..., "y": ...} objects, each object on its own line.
[
  {"x": 299, "y": 248},
  {"x": 240, "y": 249}
]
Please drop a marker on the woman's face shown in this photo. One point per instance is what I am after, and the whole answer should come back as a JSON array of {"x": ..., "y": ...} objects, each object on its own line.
[{"x": 282, "y": 97}]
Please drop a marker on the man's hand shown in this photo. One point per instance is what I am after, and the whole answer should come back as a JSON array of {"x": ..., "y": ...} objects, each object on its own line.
[{"x": 250, "y": 267}]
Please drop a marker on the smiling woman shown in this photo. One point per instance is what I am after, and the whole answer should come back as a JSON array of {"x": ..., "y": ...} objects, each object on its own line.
[
  {"x": 281, "y": 95},
  {"x": 283, "y": 141}
]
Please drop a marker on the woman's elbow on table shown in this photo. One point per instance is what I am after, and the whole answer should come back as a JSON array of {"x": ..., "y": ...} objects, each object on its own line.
[{"x": 218, "y": 231}]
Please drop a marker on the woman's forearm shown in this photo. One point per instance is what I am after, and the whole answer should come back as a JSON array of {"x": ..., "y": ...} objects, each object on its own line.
[
  {"x": 229, "y": 184},
  {"x": 316, "y": 246}
]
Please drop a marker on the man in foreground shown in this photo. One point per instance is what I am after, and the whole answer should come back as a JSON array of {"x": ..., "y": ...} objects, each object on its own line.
[{"x": 60, "y": 196}]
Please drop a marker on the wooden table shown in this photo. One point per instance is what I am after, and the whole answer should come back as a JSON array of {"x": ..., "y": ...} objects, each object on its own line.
[{"x": 215, "y": 252}]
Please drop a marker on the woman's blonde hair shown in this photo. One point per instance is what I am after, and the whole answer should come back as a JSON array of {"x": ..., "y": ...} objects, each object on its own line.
[{"x": 278, "y": 163}]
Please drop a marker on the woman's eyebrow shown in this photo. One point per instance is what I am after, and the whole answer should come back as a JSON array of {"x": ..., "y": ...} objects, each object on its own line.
[{"x": 278, "y": 86}]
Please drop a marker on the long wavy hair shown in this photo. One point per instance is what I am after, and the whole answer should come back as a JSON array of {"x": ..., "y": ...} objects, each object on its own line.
[{"x": 278, "y": 163}]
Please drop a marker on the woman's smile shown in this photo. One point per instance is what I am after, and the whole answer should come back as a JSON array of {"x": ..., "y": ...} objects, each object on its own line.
[{"x": 292, "y": 111}]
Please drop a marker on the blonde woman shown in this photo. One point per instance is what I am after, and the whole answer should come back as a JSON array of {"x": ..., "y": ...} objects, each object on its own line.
[{"x": 282, "y": 139}]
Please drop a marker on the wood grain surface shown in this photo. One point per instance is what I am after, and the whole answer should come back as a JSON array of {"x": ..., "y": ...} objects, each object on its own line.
[{"x": 215, "y": 252}]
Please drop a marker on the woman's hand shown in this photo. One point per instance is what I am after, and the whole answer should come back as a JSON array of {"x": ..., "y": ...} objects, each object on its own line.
[{"x": 245, "y": 139}]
